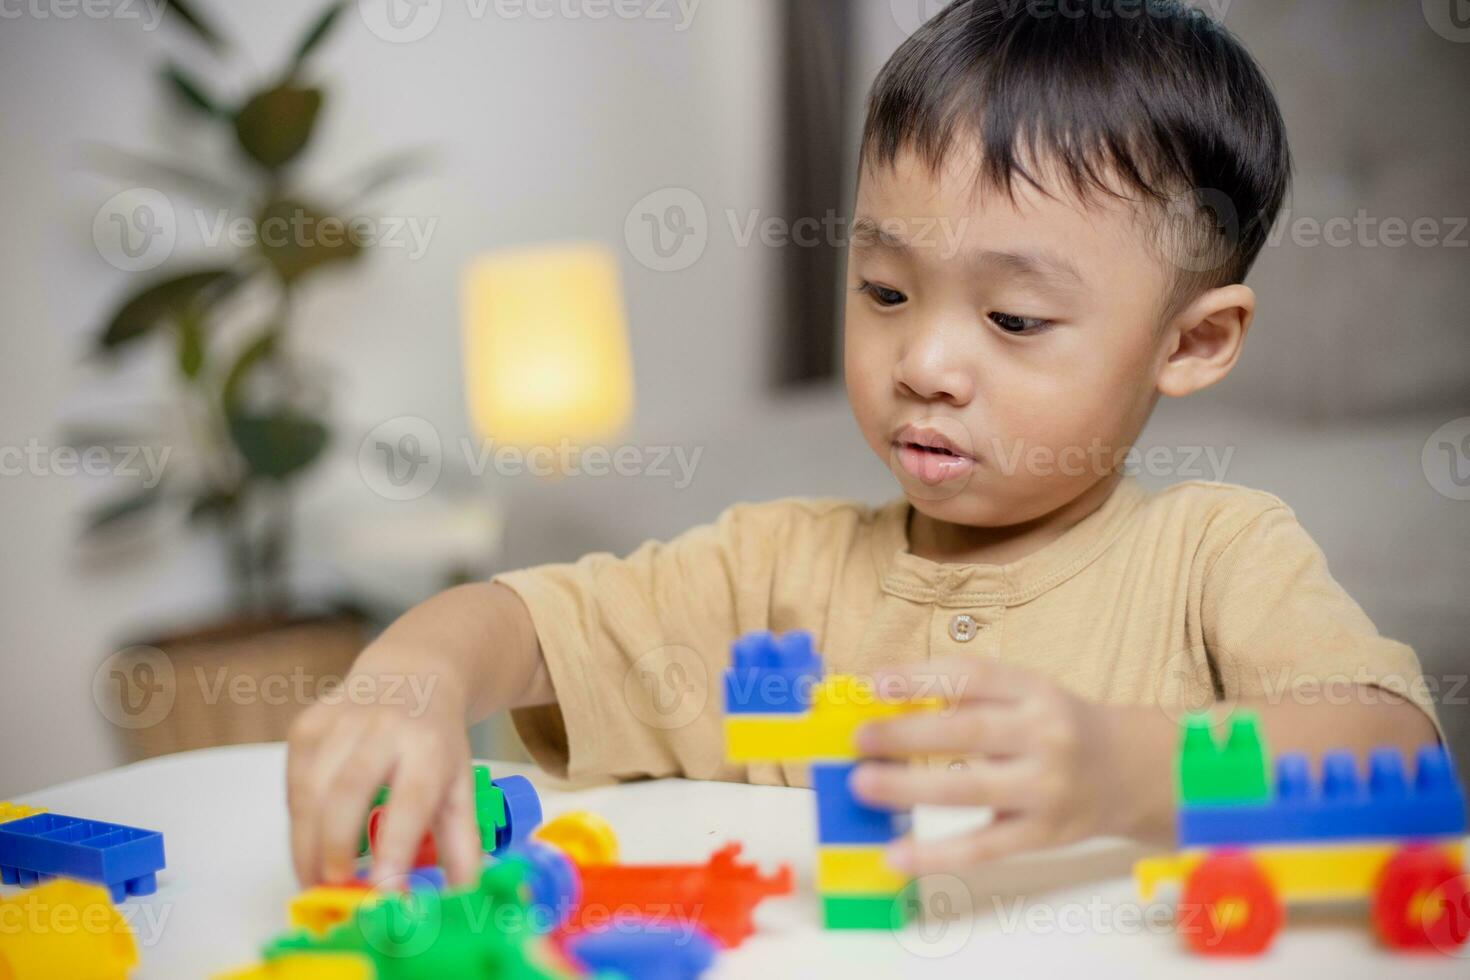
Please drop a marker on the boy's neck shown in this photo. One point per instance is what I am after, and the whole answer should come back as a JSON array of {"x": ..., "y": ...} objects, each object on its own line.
[{"x": 961, "y": 544}]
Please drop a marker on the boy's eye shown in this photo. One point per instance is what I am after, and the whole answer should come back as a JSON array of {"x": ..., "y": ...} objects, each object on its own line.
[
  {"x": 1018, "y": 324},
  {"x": 882, "y": 295}
]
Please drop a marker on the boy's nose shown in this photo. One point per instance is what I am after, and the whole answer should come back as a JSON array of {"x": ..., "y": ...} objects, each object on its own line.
[{"x": 931, "y": 370}]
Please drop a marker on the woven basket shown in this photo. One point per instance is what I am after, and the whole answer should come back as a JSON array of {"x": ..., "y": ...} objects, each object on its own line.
[{"x": 240, "y": 681}]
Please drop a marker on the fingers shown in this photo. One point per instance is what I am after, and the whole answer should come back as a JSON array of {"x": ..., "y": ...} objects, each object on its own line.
[
  {"x": 456, "y": 834},
  {"x": 977, "y": 729},
  {"x": 956, "y": 679},
  {"x": 347, "y": 774},
  {"x": 301, "y": 750},
  {"x": 1003, "y": 785},
  {"x": 420, "y": 785},
  {"x": 1009, "y": 834}
]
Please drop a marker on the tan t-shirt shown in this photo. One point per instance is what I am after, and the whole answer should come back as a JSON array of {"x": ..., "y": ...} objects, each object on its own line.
[{"x": 1199, "y": 593}]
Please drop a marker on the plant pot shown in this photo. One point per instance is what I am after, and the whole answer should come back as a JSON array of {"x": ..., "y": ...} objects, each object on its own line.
[{"x": 241, "y": 680}]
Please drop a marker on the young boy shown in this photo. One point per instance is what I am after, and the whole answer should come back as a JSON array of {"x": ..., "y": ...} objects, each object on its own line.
[{"x": 1034, "y": 263}]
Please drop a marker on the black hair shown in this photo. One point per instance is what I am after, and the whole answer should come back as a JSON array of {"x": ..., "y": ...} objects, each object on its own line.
[{"x": 1152, "y": 94}]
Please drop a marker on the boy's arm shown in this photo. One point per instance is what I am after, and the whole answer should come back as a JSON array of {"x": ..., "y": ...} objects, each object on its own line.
[
  {"x": 400, "y": 718},
  {"x": 1355, "y": 717}
]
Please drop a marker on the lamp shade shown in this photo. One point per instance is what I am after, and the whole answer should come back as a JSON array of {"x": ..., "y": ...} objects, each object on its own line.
[{"x": 546, "y": 346}]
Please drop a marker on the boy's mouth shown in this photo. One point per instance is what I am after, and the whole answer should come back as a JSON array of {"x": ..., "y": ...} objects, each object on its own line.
[{"x": 930, "y": 457}]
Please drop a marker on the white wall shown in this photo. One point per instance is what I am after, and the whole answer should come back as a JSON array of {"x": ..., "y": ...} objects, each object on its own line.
[{"x": 544, "y": 129}]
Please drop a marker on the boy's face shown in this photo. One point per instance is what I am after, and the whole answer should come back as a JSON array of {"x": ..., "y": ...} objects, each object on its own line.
[{"x": 1019, "y": 337}]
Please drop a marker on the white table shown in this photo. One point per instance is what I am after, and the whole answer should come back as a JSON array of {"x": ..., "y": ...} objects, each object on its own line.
[{"x": 1073, "y": 913}]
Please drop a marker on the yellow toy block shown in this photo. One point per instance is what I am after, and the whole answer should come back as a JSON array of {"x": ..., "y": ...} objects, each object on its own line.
[
  {"x": 583, "y": 836},
  {"x": 65, "y": 929},
  {"x": 841, "y": 704},
  {"x": 859, "y": 870},
  {"x": 14, "y": 811},
  {"x": 307, "y": 966},
  {"x": 318, "y": 909},
  {"x": 1324, "y": 873}
]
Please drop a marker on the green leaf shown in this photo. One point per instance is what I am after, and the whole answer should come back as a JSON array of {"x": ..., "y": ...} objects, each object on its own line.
[
  {"x": 116, "y": 512},
  {"x": 278, "y": 444},
  {"x": 319, "y": 31},
  {"x": 256, "y": 351},
  {"x": 145, "y": 309},
  {"x": 296, "y": 238},
  {"x": 275, "y": 125},
  {"x": 185, "y": 12},
  {"x": 190, "y": 91},
  {"x": 189, "y": 337}
]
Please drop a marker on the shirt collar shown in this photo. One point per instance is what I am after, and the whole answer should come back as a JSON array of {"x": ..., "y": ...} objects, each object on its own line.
[{"x": 908, "y": 576}]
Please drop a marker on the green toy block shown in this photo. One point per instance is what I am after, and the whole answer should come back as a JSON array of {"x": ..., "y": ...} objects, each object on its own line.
[
  {"x": 1232, "y": 773},
  {"x": 479, "y": 932},
  {"x": 489, "y": 810},
  {"x": 868, "y": 911}
]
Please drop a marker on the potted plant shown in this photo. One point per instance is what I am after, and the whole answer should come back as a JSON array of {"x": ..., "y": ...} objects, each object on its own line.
[{"x": 254, "y": 415}]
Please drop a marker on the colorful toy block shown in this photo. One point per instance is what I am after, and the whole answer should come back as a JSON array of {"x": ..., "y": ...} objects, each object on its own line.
[
  {"x": 65, "y": 929},
  {"x": 507, "y": 810},
  {"x": 582, "y": 836},
  {"x": 1396, "y": 841},
  {"x": 778, "y": 708},
  {"x": 14, "y": 811},
  {"x": 634, "y": 948},
  {"x": 771, "y": 675},
  {"x": 47, "y": 845},
  {"x": 477, "y": 933},
  {"x": 719, "y": 895},
  {"x": 843, "y": 911},
  {"x": 1341, "y": 806}
]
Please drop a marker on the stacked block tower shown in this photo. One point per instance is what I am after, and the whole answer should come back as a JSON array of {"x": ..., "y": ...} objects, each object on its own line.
[{"x": 779, "y": 707}]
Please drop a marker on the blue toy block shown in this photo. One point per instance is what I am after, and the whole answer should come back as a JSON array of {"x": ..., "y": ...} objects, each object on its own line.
[
  {"x": 1343, "y": 806},
  {"x": 124, "y": 859},
  {"x": 522, "y": 811},
  {"x": 553, "y": 884},
  {"x": 842, "y": 818},
  {"x": 772, "y": 675},
  {"x": 635, "y": 948}
]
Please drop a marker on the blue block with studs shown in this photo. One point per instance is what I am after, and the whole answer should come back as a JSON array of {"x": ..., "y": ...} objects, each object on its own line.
[
  {"x": 771, "y": 674},
  {"x": 1342, "y": 805}
]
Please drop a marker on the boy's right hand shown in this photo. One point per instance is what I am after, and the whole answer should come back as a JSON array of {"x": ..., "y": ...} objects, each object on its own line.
[{"x": 340, "y": 753}]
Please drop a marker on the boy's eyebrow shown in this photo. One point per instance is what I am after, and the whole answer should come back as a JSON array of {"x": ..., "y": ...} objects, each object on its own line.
[{"x": 1041, "y": 265}]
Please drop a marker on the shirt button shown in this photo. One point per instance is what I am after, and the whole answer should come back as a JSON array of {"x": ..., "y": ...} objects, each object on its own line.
[
  {"x": 962, "y": 628},
  {"x": 959, "y": 765}
]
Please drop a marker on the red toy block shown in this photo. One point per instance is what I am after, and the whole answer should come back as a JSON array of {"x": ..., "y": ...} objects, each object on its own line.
[
  {"x": 428, "y": 854},
  {"x": 719, "y": 895}
]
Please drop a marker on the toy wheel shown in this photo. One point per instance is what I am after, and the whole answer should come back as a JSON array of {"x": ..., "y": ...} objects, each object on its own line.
[
  {"x": 581, "y": 835},
  {"x": 1228, "y": 907},
  {"x": 522, "y": 811},
  {"x": 1421, "y": 901}
]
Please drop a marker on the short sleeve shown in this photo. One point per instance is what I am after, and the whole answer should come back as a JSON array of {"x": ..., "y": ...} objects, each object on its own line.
[
  {"x": 1275, "y": 621},
  {"x": 635, "y": 647}
]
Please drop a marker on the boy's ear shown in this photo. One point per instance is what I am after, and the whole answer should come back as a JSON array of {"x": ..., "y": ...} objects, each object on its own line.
[{"x": 1204, "y": 340}]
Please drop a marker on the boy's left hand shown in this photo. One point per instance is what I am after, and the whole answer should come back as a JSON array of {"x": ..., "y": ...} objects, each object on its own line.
[{"x": 1048, "y": 762}]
